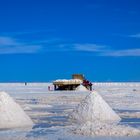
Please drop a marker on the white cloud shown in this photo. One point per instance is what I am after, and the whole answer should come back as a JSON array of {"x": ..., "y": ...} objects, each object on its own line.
[
  {"x": 100, "y": 50},
  {"x": 88, "y": 47},
  {"x": 25, "y": 32},
  {"x": 10, "y": 45},
  {"x": 85, "y": 47},
  {"x": 5, "y": 41},
  {"x": 119, "y": 53},
  {"x": 19, "y": 49},
  {"x": 135, "y": 35}
]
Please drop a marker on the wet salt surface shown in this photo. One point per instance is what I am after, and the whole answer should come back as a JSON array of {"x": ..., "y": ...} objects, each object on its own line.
[
  {"x": 57, "y": 117},
  {"x": 132, "y": 122},
  {"x": 129, "y": 119},
  {"x": 130, "y": 111},
  {"x": 40, "y": 132},
  {"x": 50, "y": 114}
]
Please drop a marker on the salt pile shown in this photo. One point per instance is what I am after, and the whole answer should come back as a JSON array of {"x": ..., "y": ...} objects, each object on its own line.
[
  {"x": 94, "y": 109},
  {"x": 81, "y": 88},
  {"x": 104, "y": 129},
  {"x": 11, "y": 114},
  {"x": 95, "y": 117}
]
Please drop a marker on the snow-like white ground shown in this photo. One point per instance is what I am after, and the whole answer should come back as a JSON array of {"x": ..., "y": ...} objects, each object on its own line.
[{"x": 49, "y": 110}]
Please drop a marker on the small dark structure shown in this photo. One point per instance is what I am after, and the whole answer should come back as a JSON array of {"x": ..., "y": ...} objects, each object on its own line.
[{"x": 72, "y": 84}]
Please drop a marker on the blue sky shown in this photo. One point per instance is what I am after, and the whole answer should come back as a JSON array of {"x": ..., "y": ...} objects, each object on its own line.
[{"x": 42, "y": 40}]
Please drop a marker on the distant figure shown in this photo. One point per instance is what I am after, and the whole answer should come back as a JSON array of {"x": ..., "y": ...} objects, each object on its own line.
[
  {"x": 25, "y": 83},
  {"x": 49, "y": 88}
]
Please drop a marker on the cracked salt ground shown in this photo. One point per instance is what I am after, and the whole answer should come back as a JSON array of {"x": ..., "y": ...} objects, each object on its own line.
[
  {"x": 44, "y": 124},
  {"x": 46, "y": 108}
]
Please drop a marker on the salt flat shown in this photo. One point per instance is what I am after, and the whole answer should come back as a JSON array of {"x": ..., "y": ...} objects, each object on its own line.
[{"x": 49, "y": 110}]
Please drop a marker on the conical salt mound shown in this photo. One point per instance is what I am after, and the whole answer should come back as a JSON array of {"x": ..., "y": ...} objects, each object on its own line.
[
  {"x": 94, "y": 109},
  {"x": 81, "y": 88},
  {"x": 11, "y": 114}
]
